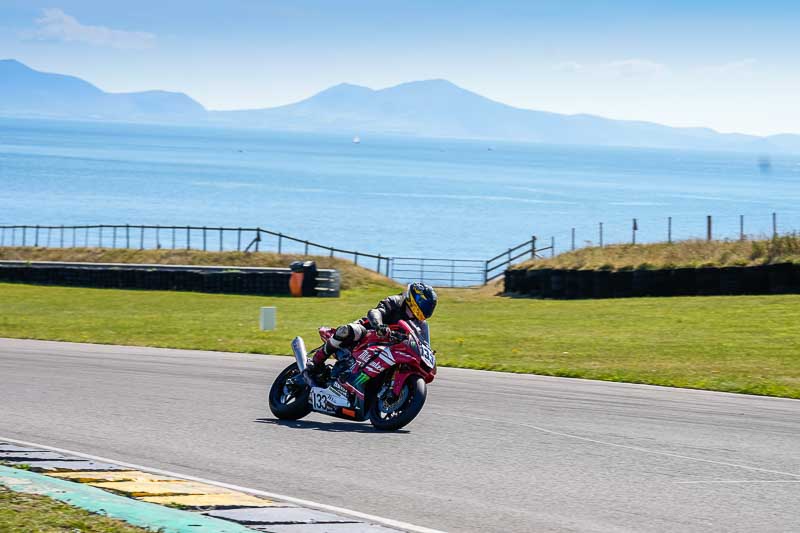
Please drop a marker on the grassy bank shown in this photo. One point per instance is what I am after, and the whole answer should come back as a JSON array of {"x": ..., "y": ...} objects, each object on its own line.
[
  {"x": 745, "y": 344},
  {"x": 352, "y": 275},
  {"x": 24, "y": 513},
  {"x": 694, "y": 253}
]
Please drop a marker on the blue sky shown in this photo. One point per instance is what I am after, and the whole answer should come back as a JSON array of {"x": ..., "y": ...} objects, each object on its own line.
[{"x": 730, "y": 65}]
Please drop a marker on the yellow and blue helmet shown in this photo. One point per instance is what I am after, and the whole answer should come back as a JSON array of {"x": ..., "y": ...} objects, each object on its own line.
[{"x": 420, "y": 299}]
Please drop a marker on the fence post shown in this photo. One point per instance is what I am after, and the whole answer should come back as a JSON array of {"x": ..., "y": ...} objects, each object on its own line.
[
  {"x": 158, "y": 237},
  {"x": 13, "y": 235},
  {"x": 509, "y": 257},
  {"x": 258, "y": 241},
  {"x": 204, "y": 239},
  {"x": 633, "y": 231},
  {"x": 127, "y": 236},
  {"x": 113, "y": 237},
  {"x": 86, "y": 237},
  {"x": 61, "y": 236},
  {"x": 379, "y": 261},
  {"x": 601, "y": 235},
  {"x": 331, "y": 249},
  {"x": 708, "y": 227},
  {"x": 280, "y": 243},
  {"x": 220, "y": 238},
  {"x": 388, "y": 264},
  {"x": 552, "y": 246},
  {"x": 669, "y": 230},
  {"x": 49, "y": 234},
  {"x": 36, "y": 237},
  {"x": 774, "y": 225},
  {"x": 355, "y": 257},
  {"x": 378, "y": 269},
  {"x": 24, "y": 228},
  {"x": 486, "y": 269},
  {"x": 452, "y": 273},
  {"x": 101, "y": 236},
  {"x": 141, "y": 237},
  {"x": 573, "y": 239},
  {"x": 533, "y": 246},
  {"x": 173, "y": 237},
  {"x": 239, "y": 240},
  {"x": 188, "y": 238},
  {"x": 74, "y": 229}
]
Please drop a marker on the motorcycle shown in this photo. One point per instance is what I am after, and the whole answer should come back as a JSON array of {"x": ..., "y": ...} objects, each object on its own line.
[{"x": 386, "y": 382}]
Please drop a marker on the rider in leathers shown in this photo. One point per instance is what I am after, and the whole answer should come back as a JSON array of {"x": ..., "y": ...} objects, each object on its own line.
[{"x": 414, "y": 305}]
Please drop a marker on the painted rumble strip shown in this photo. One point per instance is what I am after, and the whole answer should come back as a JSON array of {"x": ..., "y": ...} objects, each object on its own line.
[
  {"x": 134, "y": 512},
  {"x": 130, "y": 493}
]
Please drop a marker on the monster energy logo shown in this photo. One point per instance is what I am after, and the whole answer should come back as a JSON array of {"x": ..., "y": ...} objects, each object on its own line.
[{"x": 360, "y": 380}]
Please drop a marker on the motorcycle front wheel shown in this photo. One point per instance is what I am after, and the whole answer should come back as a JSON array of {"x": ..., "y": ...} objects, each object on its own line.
[
  {"x": 289, "y": 401},
  {"x": 390, "y": 413}
]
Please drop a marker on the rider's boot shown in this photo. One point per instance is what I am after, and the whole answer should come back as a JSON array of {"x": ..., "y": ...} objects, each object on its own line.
[
  {"x": 344, "y": 360},
  {"x": 315, "y": 364}
]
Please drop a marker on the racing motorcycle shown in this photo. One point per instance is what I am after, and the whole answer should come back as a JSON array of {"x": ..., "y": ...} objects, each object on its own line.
[{"x": 386, "y": 382}]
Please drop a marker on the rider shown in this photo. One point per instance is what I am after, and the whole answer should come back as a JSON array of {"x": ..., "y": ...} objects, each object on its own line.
[{"x": 414, "y": 305}]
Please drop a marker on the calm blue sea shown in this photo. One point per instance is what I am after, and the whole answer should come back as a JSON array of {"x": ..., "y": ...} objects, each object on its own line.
[{"x": 389, "y": 195}]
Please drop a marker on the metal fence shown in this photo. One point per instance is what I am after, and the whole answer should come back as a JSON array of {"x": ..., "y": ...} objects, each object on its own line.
[
  {"x": 436, "y": 271},
  {"x": 206, "y": 238}
]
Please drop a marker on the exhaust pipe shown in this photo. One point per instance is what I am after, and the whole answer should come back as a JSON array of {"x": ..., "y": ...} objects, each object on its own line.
[{"x": 300, "y": 354}]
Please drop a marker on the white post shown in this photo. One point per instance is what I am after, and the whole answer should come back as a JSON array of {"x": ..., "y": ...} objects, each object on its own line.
[{"x": 268, "y": 319}]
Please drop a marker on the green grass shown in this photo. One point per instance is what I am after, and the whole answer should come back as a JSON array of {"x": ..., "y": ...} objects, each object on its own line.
[
  {"x": 26, "y": 513},
  {"x": 747, "y": 344}
]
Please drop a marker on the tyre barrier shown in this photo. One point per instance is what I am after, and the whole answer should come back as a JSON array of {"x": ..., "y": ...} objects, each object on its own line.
[
  {"x": 781, "y": 278},
  {"x": 228, "y": 280}
]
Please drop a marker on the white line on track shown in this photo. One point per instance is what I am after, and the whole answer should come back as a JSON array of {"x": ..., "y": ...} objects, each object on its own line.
[
  {"x": 272, "y": 495},
  {"x": 739, "y": 481},
  {"x": 628, "y": 447}
]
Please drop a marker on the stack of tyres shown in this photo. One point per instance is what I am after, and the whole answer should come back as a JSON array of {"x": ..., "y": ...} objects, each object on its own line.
[
  {"x": 683, "y": 282},
  {"x": 642, "y": 283},
  {"x": 601, "y": 284},
  {"x": 707, "y": 280},
  {"x": 533, "y": 283},
  {"x": 729, "y": 280},
  {"x": 622, "y": 284},
  {"x": 557, "y": 284},
  {"x": 546, "y": 282},
  {"x": 780, "y": 278},
  {"x": 572, "y": 288},
  {"x": 585, "y": 283},
  {"x": 661, "y": 283}
]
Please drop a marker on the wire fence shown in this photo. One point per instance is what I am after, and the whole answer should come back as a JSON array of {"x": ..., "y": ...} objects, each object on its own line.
[{"x": 436, "y": 271}]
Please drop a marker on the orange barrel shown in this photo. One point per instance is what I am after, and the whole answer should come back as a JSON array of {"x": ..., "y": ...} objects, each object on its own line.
[{"x": 296, "y": 278}]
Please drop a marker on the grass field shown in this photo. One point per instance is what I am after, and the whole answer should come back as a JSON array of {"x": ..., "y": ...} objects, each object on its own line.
[
  {"x": 26, "y": 513},
  {"x": 681, "y": 254},
  {"x": 747, "y": 344}
]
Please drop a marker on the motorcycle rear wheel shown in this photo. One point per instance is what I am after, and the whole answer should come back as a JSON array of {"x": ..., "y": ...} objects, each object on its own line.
[
  {"x": 387, "y": 417},
  {"x": 288, "y": 402}
]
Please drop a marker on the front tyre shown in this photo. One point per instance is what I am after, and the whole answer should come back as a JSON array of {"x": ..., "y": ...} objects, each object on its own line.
[
  {"x": 288, "y": 400},
  {"x": 388, "y": 413}
]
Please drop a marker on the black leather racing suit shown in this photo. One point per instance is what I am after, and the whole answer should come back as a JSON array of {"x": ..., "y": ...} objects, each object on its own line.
[{"x": 390, "y": 310}]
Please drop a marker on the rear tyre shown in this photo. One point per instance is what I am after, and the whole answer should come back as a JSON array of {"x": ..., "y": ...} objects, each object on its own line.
[
  {"x": 391, "y": 413},
  {"x": 287, "y": 400}
]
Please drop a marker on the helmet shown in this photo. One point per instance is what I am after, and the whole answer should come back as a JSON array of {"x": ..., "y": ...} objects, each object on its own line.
[{"x": 420, "y": 299}]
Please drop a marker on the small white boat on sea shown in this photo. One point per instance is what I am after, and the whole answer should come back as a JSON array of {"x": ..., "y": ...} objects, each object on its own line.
[{"x": 356, "y": 140}]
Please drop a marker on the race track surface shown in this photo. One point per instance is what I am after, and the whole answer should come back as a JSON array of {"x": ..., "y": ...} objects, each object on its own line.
[{"x": 490, "y": 451}]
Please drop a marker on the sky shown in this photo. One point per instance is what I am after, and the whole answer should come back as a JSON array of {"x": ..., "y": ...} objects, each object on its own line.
[{"x": 730, "y": 65}]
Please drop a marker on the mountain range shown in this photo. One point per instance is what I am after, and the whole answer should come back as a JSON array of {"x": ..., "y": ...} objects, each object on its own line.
[{"x": 431, "y": 108}]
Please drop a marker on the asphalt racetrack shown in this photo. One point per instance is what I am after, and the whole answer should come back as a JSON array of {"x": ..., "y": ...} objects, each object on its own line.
[{"x": 490, "y": 451}]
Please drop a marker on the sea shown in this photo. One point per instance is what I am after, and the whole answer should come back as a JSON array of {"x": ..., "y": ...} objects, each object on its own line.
[{"x": 397, "y": 196}]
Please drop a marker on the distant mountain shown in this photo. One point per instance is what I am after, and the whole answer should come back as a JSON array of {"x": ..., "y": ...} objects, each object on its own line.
[
  {"x": 438, "y": 108},
  {"x": 432, "y": 108},
  {"x": 27, "y": 92}
]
